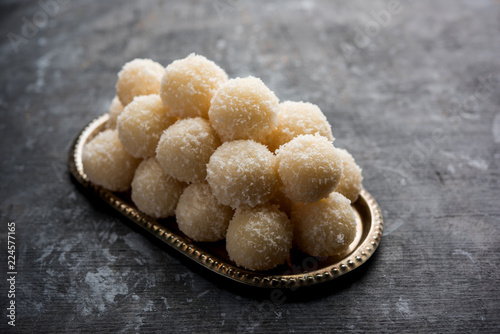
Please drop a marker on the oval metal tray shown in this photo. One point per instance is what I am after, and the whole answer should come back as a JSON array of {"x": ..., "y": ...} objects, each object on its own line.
[{"x": 303, "y": 270}]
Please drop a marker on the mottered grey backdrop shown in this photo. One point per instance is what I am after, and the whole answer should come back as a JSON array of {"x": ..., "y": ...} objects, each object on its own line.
[{"x": 411, "y": 88}]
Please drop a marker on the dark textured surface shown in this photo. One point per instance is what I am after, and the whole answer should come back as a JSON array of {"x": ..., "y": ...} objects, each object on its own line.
[{"x": 417, "y": 104}]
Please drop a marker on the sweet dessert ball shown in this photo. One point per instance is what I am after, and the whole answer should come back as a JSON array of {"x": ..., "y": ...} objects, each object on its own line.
[
  {"x": 298, "y": 118},
  {"x": 324, "y": 228},
  {"x": 185, "y": 148},
  {"x": 115, "y": 109},
  {"x": 309, "y": 167},
  {"x": 141, "y": 124},
  {"x": 243, "y": 108},
  {"x": 188, "y": 85},
  {"x": 350, "y": 182},
  {"x": 153, "y": 191},
  {"x": 259, "y": 238},
  {"x": 106, "y": 162},
  {"x": 242, "y": 172},
  {"x": 200, "y": 216},
  {"x": 138, "y": 77}
]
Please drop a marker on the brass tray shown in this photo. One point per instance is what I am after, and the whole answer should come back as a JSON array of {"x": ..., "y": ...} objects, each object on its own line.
[{"x": 303, "y": 270}]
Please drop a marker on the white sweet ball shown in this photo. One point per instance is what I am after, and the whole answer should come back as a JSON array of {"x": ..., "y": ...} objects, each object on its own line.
[
  {"x": 298, "y": 118},
  {"x": 153, "y": 191},
  {"x": 185, "y": 148},
  {"x": 141, "y": 124},
  {"x": 309, "y": 167},
  {"x": 200, "y": 216},
  {"x": 350, "y": 182},
  {"x": 243, "y": 108},
  {"x": 259, "y": 238},
  {"x": 242, "y": 172},
  {"x": 115, "y": 109},
  {"x": 326, "y": 227},
  {"x": 188, "y": 85},
  {"x": 138, "y": 77},
  {"x": 106, "y": 163}
]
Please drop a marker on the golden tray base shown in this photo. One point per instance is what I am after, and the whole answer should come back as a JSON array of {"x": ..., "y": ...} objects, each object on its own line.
[{"x": 303, "y": 270}]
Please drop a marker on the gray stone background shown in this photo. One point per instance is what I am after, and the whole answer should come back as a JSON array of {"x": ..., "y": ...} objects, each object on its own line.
[{"x": 414, "y": 96}]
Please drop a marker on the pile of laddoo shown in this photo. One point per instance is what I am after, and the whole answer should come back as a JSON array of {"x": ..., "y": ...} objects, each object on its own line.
[{"x": 228, "y": 160}]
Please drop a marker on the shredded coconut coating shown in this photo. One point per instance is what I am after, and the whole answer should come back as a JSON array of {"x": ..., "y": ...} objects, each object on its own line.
[
  {"x": 242, "y": 172},
  {"x": 244, "y": 108},
  {"x": 200, "y": 216},
  {"x": 115, "y": 109},
  {"x": 324, "y": 228},
  {"x": 106, "y": 162},
  {"x": 309, "y": 167},
  {"x": 138, "y": 77},
  {"x": 350, "y": 182},
  {"x": 185, "y": 148},
  {"x": 259, "y": 238},
  {"x": 141, "y": 124},
  {"x": 298, "y": 118},
  {"x": 188, "y": 85},
  {"x": 154, "y": 192}
]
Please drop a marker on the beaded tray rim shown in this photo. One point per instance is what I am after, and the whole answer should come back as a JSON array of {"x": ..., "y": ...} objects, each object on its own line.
[{"x": 364, "y": 250}]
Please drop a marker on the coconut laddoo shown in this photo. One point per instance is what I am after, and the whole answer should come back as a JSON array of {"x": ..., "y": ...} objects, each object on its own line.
[
  {"x": 228, "y": 160},
  {"x": 185, "y": 148},
  {"x": 188, "y": 85},
  {"x": 106, "y": 162},
  {"x": 350, "y": 182},
  {"x": 200, "y": 216},
  {"x": 138, "y": 77},
  {"x": 324, "y": 228},
  {"x": 242, "y": 172},
  {"x": 298, "y": 118},
  {"x": 115, "y": 109},
  {"x": 309, "y": 168},
  {"x": 259, "y": 238},
  {"x": 141, "y": 124},
  {"x": 153, "y": 191},
  {"x": 243, "y": 108}
]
